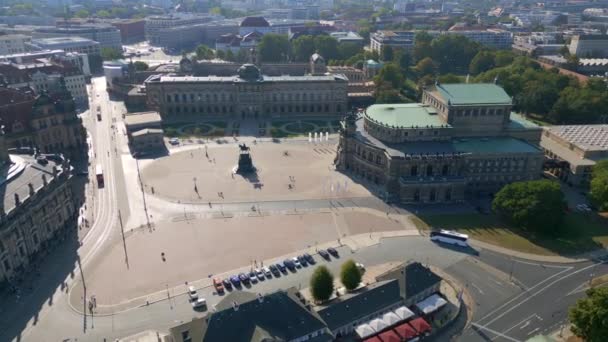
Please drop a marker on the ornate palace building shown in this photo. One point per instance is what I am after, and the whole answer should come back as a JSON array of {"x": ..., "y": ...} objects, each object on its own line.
[
  {"x": 250, "y": 94},
  {"x": 37, "y": 208},
  {"x": 461, "y": 141}
]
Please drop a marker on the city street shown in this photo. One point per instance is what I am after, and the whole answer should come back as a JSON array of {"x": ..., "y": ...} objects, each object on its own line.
[{"x": 514, "y": 299}]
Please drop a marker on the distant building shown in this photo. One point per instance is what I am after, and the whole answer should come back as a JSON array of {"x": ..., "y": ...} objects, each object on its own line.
[
  {"x": 589, "y": 46},
  {"x": 236, "y": 43},
  {"x": 461, "y": 141},
  {"x": 348, "y": 37},
  {"x": 131, "y": 30},
  {"x": 573, "y": 150},
  {"x": 37, "y": 210},
  {"x": 68, "y": 44},
  {"x": 155, "y": 25},
  {"x": 249, "y": 94},
  {"x": 80, "y": 60},
  {"x": 254, "y": 24},
  {"x": 13, "y": 43},
  {"x": 492, "y": 38},
  {"x": 106, "y": 35}
]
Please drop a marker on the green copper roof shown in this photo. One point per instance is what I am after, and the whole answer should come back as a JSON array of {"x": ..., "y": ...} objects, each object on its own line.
[
  {"x": 405, "y": 115},
  {"x": 493, "y": 145},
  {"x": 473, "y": 93}
]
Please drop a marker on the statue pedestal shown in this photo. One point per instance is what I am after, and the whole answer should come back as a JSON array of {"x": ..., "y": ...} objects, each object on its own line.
[{"x": 245, "y": 164}]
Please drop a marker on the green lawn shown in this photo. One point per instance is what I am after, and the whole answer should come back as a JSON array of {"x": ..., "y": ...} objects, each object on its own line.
[{"x": 579, "y": 233}]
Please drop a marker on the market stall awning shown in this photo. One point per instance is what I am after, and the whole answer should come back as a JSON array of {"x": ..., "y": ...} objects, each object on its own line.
[
  {"x": 364, "y": 330},
  {"x": 431, "y": 304},
  {"x": 390, "y": 336},
  {"x": 378, "y": 324},
  {"x": 403, "y": 312},
  {"x": 420, "y": 325},
  {"x": 406, "y": 331}
]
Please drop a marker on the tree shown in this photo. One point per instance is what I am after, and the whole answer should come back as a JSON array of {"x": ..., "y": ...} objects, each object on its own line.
[
  {"x": 204, "y": 52},
  {"x": 230, "y": 56},
  {"x": 83, "y": 13},
  {"x": 348, "y": 50},
  {"x": 321, "y": 284},
  {"x": 273, "y": 47},
  {"x": 103, "y": 14},
  {"x": 350, "y": 275},
  {"x": 303, "y": 47},
  {"x": 599, "y": 185},
  {"x": 589, "y": 316},
  {"x": 109, "y": 54},
  {"x": 449, "y": 78},
  {"x": 537, "y": 206},
  {"x": 402, "y": 58},
  {"x": 391, "y": 74},
  {"x": 387, "y": 53},
  {"x": 453, "y": 53},
  {"x": 140, "y": 66},
  {"x": 327, "y": 46},
  {"x": 483, "y": 61},
  {"x": 426, "y": 67}
]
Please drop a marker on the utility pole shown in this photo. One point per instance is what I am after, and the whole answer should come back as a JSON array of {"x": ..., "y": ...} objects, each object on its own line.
[
  {"x": 124, "y": 241},
  {"x": 511, "y": 272}
]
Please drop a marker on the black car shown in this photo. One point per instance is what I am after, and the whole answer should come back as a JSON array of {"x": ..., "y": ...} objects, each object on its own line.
[
  {"x": 309, "y": 258},
  {"x": 275, "y": 270},
  {"x": 302, "y": 260},
  {"x": 289, "y": 264},
  {"x": 332, "y": 251},
  {"x": 324, "y": 254},
  {"x": 281, "y": 267},
  {"x": 227, "y": 284},
  {"x": 244, "y": 278}
]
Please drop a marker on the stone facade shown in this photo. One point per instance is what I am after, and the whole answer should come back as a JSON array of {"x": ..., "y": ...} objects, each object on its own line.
[
  {"x": 445, "y": 149},
  {"x": 248, "y": 94},
  {"x": 37, "y": 209}
]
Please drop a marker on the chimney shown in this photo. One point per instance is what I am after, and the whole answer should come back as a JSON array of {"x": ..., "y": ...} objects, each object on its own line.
[
  {"x": 31, "y": 187},
  {"x": 44, "y": 181},
  {"x": 17, "y": 200}
]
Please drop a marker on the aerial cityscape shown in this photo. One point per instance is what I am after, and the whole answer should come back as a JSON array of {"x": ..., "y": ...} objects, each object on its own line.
[{"x": 304, "y": 170}]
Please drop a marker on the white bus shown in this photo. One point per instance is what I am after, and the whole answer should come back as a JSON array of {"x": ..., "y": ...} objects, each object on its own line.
[{"x": 448, "y": 236}]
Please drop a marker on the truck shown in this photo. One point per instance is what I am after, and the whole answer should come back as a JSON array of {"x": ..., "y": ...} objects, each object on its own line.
[{"x": 99, "y": 176}]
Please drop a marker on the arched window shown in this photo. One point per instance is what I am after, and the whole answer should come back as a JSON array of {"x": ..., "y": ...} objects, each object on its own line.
[{"x": 433, "y": 195}]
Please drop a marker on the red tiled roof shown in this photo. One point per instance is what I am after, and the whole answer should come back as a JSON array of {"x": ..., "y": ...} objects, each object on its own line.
[
  {"x": 373, "y": 339},
  {"x": 420, "y": 325},
  {"x": 390, "y": 336},
  {"x": 406, "y": 331}
]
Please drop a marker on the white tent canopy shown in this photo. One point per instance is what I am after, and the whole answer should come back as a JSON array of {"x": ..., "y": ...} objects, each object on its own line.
[
  {"x": 364, "y": 330},
  {"x": 431, "y": 304},
  {"x": 391, "y": 318},
  {"x": 403, "y": 312},
  {"x": 377, "y": 324}
]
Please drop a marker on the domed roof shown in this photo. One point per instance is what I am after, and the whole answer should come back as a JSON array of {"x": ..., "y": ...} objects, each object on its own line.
[
  {"x": 249, "y": 72},
  {"x": 255, "y": 22}
]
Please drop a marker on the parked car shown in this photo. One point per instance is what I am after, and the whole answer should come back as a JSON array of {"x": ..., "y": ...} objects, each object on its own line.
[
  {"x": 281, "y": 266},
  {"x": 333, "y": 252},
  {"x": 259, "y": 273},
  {"x": 235, "y": 280},
  {"x": 252, "y": 277},
  {"x": 290, "y": 264},
  {"x": 296, "y": 262},
  {"x": 324, "y": 254},
  {"x": 267, "y": 272},
  {"x": 275, "y": 270},
  {"x": 219, "y": 286},
  {"x": 244, "y": 278},
  {"x": 199, "y": 303},
  {"x": 361, "y": 267},
  {"x": 192, "y": 293},
  {"x": 174, "y": 141},
  {"x": 309, "y": 258},
  {"x": 302, "y": 260},
  {"x": 227, "y": 284}
]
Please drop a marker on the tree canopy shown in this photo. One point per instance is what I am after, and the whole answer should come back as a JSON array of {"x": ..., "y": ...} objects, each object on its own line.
[
  {"x": 391, "y": 74},
  {"x": 273, "y": 47},
  {"x": 109, "y": 54},
  {"x": 589, "y": 316},
  {"x": 204, "y": 52},
  {"x": 140, "y": 66},
  {"x": 321, "y": 284},
  {"x": 599, "y": 185},
  {"x": 536, "y": 206},
  {"x": 350, "y": 275}
]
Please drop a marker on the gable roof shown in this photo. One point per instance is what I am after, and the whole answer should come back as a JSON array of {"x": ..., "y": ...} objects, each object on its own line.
[
  {"x": 352, "y": 306},
  {"x": 413, "y": 278},
  {"x": 277, "y": 316},
  {"x": 472, "y": 93}
]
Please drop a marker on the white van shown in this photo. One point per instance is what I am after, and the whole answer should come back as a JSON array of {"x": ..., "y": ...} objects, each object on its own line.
[{"x": 199, "y": 303}]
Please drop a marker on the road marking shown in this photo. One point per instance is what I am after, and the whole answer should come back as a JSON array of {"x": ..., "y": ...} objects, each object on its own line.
[
  {"x": 582, "y": 287},
  {"x": 479, "y": 326},
  {"x": 525, "y": 325},
  {"x": 477, "y": 287},
  {"x": 524, "y": 320},
  {"x": 521, "y": 294},
  {"x": 539, "y": 291},
  {"x": 533, "y": 331},
  {"x": 537, "y": 264}
]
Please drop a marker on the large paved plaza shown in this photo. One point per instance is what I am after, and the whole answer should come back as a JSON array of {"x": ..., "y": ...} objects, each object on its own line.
[
  {"x": 195, "y": 249},
  {"x": 284, "y": 171}
]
